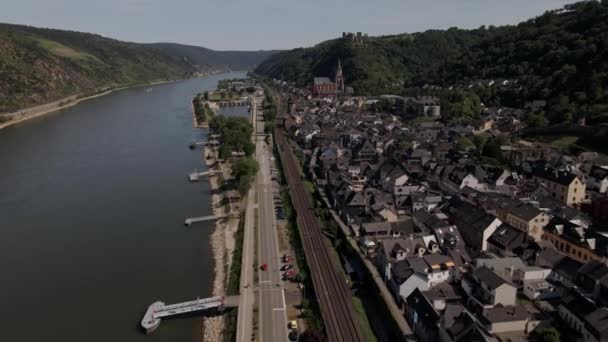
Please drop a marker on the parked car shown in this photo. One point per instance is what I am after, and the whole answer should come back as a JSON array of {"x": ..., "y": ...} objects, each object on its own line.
[
  {"x": 286, "y": 267},
  {"x": 264, "y": 267}
]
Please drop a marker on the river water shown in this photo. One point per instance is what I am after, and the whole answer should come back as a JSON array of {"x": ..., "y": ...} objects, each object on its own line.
[{"x": 92, "y": 204}]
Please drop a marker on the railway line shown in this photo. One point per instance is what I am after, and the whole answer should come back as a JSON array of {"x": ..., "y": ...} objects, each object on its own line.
[{"x": 332, "y": 292}]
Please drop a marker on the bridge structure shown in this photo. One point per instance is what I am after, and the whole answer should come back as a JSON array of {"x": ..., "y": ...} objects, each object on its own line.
[
  {"x": 195, "y": 175},
  {"x": 158, "y": 310}
]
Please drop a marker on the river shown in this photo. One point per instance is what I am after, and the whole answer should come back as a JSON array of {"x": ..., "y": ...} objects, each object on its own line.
[{"x": 92, "y": 204}]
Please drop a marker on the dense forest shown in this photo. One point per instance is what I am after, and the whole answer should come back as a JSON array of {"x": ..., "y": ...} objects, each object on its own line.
[
  {"x": 39, "y": 65},
  {"x": 560, "y": 56}
]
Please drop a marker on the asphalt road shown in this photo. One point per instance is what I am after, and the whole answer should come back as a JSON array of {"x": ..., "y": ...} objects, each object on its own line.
[{"x": 272, "y": 308}]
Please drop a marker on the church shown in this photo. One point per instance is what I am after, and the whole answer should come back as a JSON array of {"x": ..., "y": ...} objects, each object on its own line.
[{"x": 324, "y": 86}]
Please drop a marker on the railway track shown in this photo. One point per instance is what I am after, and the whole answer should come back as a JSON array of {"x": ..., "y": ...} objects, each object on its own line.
[{"x": 333, "y": 294}]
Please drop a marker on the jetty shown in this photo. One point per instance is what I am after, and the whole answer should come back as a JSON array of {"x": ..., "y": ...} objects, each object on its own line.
[
  {"x": 158, "y": 310},
  {"x": 195, "y": 175},
  {"x": 190, "y": 220}
]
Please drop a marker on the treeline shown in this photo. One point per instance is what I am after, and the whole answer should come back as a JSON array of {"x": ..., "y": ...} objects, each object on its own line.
[
  {"x": 202, "y": 111},
  {"x": 235, "y": 136},
  {"x": 269, "y": 111},
  {"x": 560, "y": 56}
]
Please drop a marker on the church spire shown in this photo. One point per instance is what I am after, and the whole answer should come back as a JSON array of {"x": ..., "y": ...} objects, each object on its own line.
[{"x": 339, "y": 77}]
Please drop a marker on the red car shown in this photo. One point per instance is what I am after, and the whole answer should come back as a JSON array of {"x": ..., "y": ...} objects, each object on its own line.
[
  {"x": 264, "y": 267},
  {"x": 287, "y": 258}
]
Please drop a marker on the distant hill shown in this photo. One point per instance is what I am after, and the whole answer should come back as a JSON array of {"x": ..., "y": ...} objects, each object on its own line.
[
  {"x": 39, "y": 65},
  {"x": 560, "y": 56},
  {"x": 206, "y": 58}
]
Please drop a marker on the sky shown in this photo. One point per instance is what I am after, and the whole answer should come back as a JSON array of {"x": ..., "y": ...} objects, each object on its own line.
[{"x": 263, "y": 24}]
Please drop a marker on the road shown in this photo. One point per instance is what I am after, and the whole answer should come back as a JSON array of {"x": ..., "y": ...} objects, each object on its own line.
[
  {"x": 272, "y": 308},
  {"x": 244, "y": 327}
]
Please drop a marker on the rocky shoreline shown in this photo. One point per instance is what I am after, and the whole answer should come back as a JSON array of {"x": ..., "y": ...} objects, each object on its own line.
[{"x": 222, "y": 245}]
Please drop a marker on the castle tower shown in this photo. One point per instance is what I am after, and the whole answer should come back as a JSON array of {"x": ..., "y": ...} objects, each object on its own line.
[{"x": 339, "y": 78}]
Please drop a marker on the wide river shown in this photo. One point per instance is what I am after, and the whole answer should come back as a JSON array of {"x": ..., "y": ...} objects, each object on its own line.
[{"x": 92, "y": 205}]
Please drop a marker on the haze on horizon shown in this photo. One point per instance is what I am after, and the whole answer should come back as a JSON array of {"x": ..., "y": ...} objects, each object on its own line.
[{"x": 263, "y": 24}]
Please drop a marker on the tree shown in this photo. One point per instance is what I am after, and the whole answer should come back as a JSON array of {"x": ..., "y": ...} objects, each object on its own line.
[
  {"x": 492, "y": 149},
  {"x": 206, "y": 96},
  {"x": 480, "y": 141},
  {"x": 244, "y": 171},
  {"x": 464, "y": 144},
  {"x": 546, "y": 335}
]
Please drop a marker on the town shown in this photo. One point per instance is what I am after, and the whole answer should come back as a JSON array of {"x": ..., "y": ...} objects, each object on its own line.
[{"x": 477, "y": 232}]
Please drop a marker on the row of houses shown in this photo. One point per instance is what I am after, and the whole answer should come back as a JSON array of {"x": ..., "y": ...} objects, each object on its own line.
[{"x": 468, "y": 248}]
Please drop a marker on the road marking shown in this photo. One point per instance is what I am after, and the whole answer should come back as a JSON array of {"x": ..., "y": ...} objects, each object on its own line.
[
  {"x": 265, "y": 281},
  {"x": 278, "y": 309},
  {"x": 283, "y": 295}
]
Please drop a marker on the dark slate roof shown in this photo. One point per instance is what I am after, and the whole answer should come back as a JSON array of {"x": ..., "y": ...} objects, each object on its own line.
[
  {"x": 594, "y": 269},
  {"x": 578, "y": 305},
  {"x": 419, "y": 303},
  {"x": 507, "y": 237},
  {"x": 489, "y": 277},
  {"x": 597, "y": 323},
  {"x": 401, "y": 271},
  {"x": 556, "y": 176},
  {"x": 500, "y": 314},
  {"x": 323, "y": 81}
]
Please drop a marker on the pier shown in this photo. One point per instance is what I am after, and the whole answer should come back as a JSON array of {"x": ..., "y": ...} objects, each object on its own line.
[
  {"x": 190, "y": 220},
  {"x": 158, "y": 310},
  {"x": 212, "y": 142},
  {"x": 195, "y": 175}
]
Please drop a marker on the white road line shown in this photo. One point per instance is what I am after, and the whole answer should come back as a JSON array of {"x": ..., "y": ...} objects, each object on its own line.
[
  {"x": 283, "y": 295},
  {"x": 278, "y": 309}
]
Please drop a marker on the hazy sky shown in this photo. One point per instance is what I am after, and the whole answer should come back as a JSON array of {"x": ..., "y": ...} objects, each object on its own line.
[{"x": 263, "y": 24}]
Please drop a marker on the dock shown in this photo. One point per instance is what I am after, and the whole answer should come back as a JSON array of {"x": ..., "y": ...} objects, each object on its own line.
[
  {"x": 189, "y": 221},
  {"x": 158, "y": 310},
  {"x": 195, "y": 175}
]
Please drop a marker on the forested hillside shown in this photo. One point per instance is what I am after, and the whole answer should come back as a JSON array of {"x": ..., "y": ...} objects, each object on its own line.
[
  {"x": 41, "y": 65},
  {"x": 560, "y": 56},
  {"x": 206, "y": 58}
]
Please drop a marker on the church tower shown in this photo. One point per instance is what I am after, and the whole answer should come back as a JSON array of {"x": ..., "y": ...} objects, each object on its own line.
[{"x": 339, "y": 78}]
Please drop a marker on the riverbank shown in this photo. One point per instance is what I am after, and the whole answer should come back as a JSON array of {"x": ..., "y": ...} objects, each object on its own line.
[
  {"x": 222, "y": 243},
  {"x": 66, "y": 102}
]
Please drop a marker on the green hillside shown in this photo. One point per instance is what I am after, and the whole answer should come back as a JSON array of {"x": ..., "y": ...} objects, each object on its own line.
[
  {"x": 206, "y": 58},
  {"x": 560, "y": 56},
  {"x": 39, "y": 65}
]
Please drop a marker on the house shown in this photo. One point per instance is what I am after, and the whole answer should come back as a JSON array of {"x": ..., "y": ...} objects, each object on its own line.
[
  {"x": 420, "y": 273},
  {"x": 455, "y": 178},
  {"x": 430, "y": 312},
  {"x": 466, "y": 328},
  {"x": 585, "y": 317},
  {"x": 422, "y": 317},
  {"x": 507, "y": 241},
  {"x": 591, "y": 277},
  {"x": 598, "y": 179},
  {"x": 524, "y": 217},
  {"x": 475, "y": 225},
  {"x": 506, "y": 319},
  {"x": 571, "y": 238},
  {"x": 487, "y": 289},
  {"x": 564, "y": 269},
  {"x": 562, "y": 185}
]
